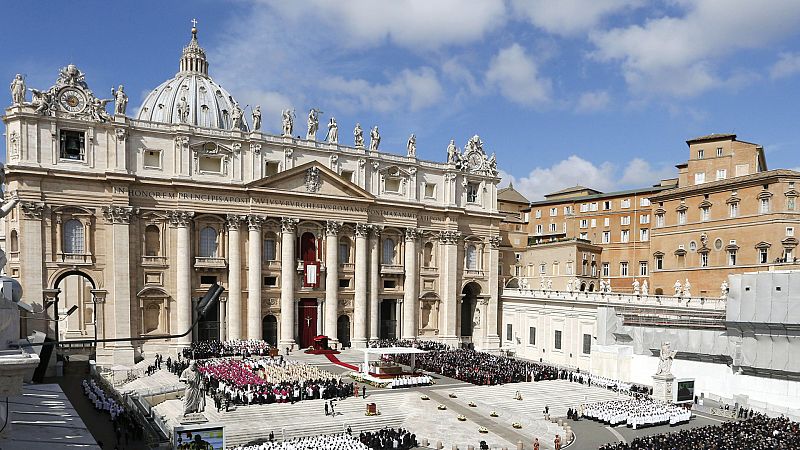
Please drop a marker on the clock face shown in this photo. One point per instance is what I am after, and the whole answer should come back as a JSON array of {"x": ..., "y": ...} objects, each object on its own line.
[
  {"x": 474, "y": 159},
  {"x": 72, "y": 100}
]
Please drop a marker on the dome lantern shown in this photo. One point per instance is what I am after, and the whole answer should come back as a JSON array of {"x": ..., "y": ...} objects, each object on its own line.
[{"x": 193, "y": 59}]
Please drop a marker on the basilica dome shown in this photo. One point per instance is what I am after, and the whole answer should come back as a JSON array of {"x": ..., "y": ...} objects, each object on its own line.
[{"x": 191, "y": 96}]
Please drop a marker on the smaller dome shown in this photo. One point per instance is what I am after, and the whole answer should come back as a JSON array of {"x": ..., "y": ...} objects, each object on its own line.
[{"x": 192, "y": 94}]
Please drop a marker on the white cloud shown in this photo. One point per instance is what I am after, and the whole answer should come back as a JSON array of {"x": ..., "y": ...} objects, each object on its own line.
[
  {"x": 411, "y": 89},
  {"x": 516, "y": 75},
  {"x": 680, "y": 55},
  {"x": 574, "y": 170},
  {"x": 569, "y": 17},
  {"x": 788, "y": 64},
  {"x": 413, "y": 24},
  {"x": 593, "y": 101}
]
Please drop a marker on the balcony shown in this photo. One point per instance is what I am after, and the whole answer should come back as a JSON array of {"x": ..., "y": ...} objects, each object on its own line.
[
  {"x": 272, "y": 264},
  {"x": 74, "y": 259},
  {"x": 347, "y": 267},
  {"x": 470, "y": 273},
  {"x": 429, "y": 271},
  {"x": 209, "y": 262},
  {"x": 392, "y": 269},
  {"x": 154, "y": 261},
  {"x": 13, "y": 256}
]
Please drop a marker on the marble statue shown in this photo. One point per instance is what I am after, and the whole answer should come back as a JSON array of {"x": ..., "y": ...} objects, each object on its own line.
[
  {"x": 192, "y": 394},
  {"x": 523, "y": 284},
  {"x": 723, "y": 289},
  {"x": 183, "y": 110},
  {"x": 678, "y": 288},
  {"x": 665, "y": 359},
  {"x": 374, "y": 139},
  {"x": 120, "y": 100},
  {"x": 541, "y": 283},
  {"x": 236, "y": 117},
  {"x": 549, "y": 284},
  {"x": 411, "y": 146},
  {"x": 333, "y": 132},
  {"x": 42, "y": 101},
  {"x": 704, "y": 239},
  {"x": 287, "y": 121},
  {"x": 493, "y": 162},
  {"x": 257, "y": 118},
  {"x": 687, "y": 289},
  {"x": 4, "y": 211},
  {"x": 645, "y": 288},
  {"x": 358, "y": 136},
  {"x": 452, "y": 152},
  {"x": 98, "y": 109},
  {"x": 602, "y": 286},
  {"x": 569, "y": 285},
  {"x": 313, "y": 124},
  {"x": 636, "y": 287},
  {"x": 18, "y": 90},
  {"x": 476, "y": 318}
]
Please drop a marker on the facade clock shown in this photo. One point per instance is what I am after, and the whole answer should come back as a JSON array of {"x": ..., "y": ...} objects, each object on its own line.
[{"x": 72, "y": 100}]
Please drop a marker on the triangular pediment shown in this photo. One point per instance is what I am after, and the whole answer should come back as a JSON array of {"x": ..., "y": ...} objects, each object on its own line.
[{"x": 312, "y": 178}]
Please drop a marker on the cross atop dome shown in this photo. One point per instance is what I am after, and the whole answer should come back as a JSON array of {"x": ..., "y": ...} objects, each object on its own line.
[{"x": 193, "y": 59}]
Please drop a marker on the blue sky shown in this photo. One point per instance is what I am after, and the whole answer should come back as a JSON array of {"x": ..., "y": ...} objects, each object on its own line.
[{"x": 598, "y": 92}]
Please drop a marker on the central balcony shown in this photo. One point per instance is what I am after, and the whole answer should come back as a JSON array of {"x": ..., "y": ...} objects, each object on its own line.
[
  {"x": 392, "y": 269},
  {"x": 154, "y": 261},
  {"x": 209, "y": 262}
]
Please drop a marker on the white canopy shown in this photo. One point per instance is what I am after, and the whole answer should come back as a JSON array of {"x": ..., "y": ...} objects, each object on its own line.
[{"x": 392, "y": 351}]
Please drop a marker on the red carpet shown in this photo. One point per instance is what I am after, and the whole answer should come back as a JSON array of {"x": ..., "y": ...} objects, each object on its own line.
[
  {"x": 321, "y": 352},
  {"x": 335, "y": 360}
]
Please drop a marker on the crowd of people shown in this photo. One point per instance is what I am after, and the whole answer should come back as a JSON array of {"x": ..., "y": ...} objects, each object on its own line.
[
  {"x": 100, "y": 400},
  {"x": 409, "y": 381},
  {"x": 221, "y": 349},
  {"x": 389, "y": 438},
  {"x": 126, "y": 429},
  {"x": 636, "y": 412},
  {"x": 156, "y": 365},
  {"x": 755, "y": 433},
  {"x": 267, "y": 380},
  {"x": 385, "y": 439}
]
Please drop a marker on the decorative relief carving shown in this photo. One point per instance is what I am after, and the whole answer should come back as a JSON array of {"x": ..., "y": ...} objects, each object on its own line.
[
  {"x": 32, "y": 210},
  {"x": 236, "y": 146},
  {"x": 449, "y": 237},
  {"x": 254, "y": 222},
  {"x": 362, "y": 162},
  {"x": 121, "y": 133},
  {"x": 256, "y": 148},
  {"x": 412, "y": 234},
  {"x": 234, "y": 221},
  {"x": 376, "y": 230},
  {"x": 181, "y": 141},
  {"x": 375, "y": 165},
  {"x": 362, "y": 230},
  {"x": 13, "y": 139},
  {"x": 332, "y": 227},
  {"x": 313, "y": 180},
  {"x": 494, "y": 241},
  {"x": 180, "y": 218},
  {"x": 288, "y": 152},
  {"x": 289, "y": 224},
  {"x": 119, "y": 214}
]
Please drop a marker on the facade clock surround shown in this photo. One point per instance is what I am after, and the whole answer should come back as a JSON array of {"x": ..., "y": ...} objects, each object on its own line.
[{"x": 72, "y": 100}]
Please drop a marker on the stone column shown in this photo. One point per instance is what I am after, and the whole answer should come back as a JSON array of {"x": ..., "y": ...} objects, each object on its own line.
[
  {"x": 182, "y": 220},
  {"x": 398, "y": 317},
  {"x": 360, "y": 299},
  {"x": 493, "y": 308},
  {"x": 234, "y": 277},
  {"x": 223, "y": 314},
  {"x": 254, "y": 243},
  {"x": 99, "y": 299},
  {"x": 448, "y": 274},
  {"x": 32, "y": 254},
  {"x": 374, "y": 281},
  {"x": 331, "y": 279},
  {"x": 288, "y": 275},
  {"x": 410, "y": 285},
  {"x": 119, "y": 218}
]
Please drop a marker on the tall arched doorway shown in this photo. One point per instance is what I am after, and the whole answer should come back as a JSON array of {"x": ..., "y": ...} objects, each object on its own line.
[
  {"x": 343, "y": 330},
  {"x": 308, "y": 247},
  {"x": 469, "y": 303},
  {"x": 269, "y": 329}
]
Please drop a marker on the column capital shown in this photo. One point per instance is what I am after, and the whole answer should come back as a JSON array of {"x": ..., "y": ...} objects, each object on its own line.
[
  {"x": 332, "y": 227},
  {"x": 99, "y": 295},
  {"x": 362, "y": 230},
  {"x": 412, "y": 234},
  {"x": 254, "y": 222},
  {"x": 376, "y": 230},
  {"x": 234, "y": 221},
  {"x": 32, "y": 210},
  {"x": 449, "y": 237},
  {"x": 119, "y": 214},
  {"x": 50, "y": 294},
  {"x": 180, "y": 219},
  {"x": 289, "y": 224},
  {"x": 494, "y": 241}
]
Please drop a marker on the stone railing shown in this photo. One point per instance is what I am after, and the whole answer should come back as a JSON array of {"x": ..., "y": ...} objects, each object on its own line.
[
  {"x": 75, "y": 258},
  {"x": 207, "y": 262},
  {"x": 154, "y": 260},
  {"x": 392, "y": 269},
  {"x": 614, "y": 298}
]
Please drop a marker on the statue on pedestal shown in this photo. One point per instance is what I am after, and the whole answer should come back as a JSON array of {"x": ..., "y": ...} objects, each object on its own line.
[
  {"x": 287, "y": 122},
  {"x": 687, "y": 289},
  {"x": 333, "y": 132},
  {"x": 42, "y": 101},
  {"x": 665, "y": 359},
  {"x": 120, "y": 100},
  {"x": 18, "y": 90},
  {"x": 723, "y": 289},
  {"x": 257, "y": 118},
  {"x": 678, "y": 288},
  {"x": 636, "y": 287},
  {"x": 411, "y": 146},
  {"x": 236, "y": 117},
  {"x": 358, "y": 136},
  {"x": 313, "y": 124},
  {"x": 374, "y": 139},
  {"x": 452, "y": 152},
  {"x": 183, "y": 110},
  {"x": 569, "y": 285},
  {"x": 192, "y": 396},
  {"x": 645, "y": 288}
]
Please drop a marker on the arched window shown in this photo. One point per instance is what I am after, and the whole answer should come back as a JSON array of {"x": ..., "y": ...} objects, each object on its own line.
[
  {"x": 14, "y": 241},
  {"x": 344, "y": 250},
  {"x": 388, "y": 251},
  {"x": 427, "y": 255},
  {"x": 472, "y": 257},
  {"x": 73, "y": 237},
  {"x": 152, "y": 241},
  {"x": 208, "y": 242}
]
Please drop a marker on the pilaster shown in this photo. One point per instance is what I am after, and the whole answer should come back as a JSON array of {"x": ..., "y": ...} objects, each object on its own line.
[
  {"x": 332, "y": 228},
  {"x": 254, "y": 243},
  {"x": 360, "y": 299},
  {"x": 234, "y": 277},
  {"x": 374, "y": 281},
  {"x": 288, "y": 274},
  {"x": 182, "y": 221},
  {"x": 449, "y": 241},
  {"x": 410, "y": 288},
  {"x": 119, "y": 217}
]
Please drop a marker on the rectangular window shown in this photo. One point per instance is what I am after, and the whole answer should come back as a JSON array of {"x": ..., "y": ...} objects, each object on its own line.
[
  {"x": 705, "y": 213},
  {"x": 594, "y": 269},
  {"x": 584, "y": 207},
  {"x": 731, "y": 257},
  {"x": 344, "y": 253},
  {"x": 542, "y": 269},
  {"x": 643, "y": 268},
  {"x": 764, "y": 205},
  {"x": 472, "y": 193},
  {"x": 606, "y": 270},
  {"x": 762, "y": 255},
  {"x": 392, "y": 185},
  {"x": 553, "y": 212},
  {"x": 270, "y": 281},
  {"x": 553, "y": 228},
  {"x": 269, "y": 250},
  {"x": 790, "y": 203},
  {"x": 208, "y": 279},
  {"x": 625, "y": 220},
  {"x": 607, "y": 222},
  {"x": 644, "y": 202},
  {"x": 271, "y": 168},
  {"x": 587, "y": 344},
  {"x": 593, "y": 206},
  {"x": 659, "y": 220},
  {"x": 347, "y": 175},
  {"x": 733, "y": 210},
  {"x": 625, "y": 203},
  {"x": 538, "y": 213},
  {"x": 722, "y": 174},
  {"x": 584, "y": 235},
  {"x": 681, "y": 217},
  {"x": 700, "y": 178},
  {"x": 703, "y": 259},
  {"x": 607, "y": 205},
  {"x": 72, "y": 145},
  {"x": 152, "y": 159},
  {"x": 344, "y": 283},
  {"x": 210, "y": 164},
  {"x": 606, "y": 237},
  {"x": 789, "y": 231},
  {"x": 623, "y": 269},
  {"x": 389, "y": 284},
  {"x": 624, "y": 236},
  {"x": 700, "y": 154},
  {"x": 430, "y": 191},
  {"x": 538, "y": 229},
  {"x": 557, "y": 340},
  {"x": 567, "y": 210},
  {"x": 509, "y": 330},
  {"x": 584, "y": 223},
  {"x": 532, "y": 335},
  {"x": 644, "y": 219},
  {"x": 659, "y": 262},
  {"x": 644, "y": 234},
  {"x": 719, "y": 151},
  {"x": 526, "y": 217}
]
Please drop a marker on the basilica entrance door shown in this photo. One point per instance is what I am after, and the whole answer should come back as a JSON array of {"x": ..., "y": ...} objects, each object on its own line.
[
  {"x": 469, "y": 302},
  {"x": 343, "y": 329},
  {"x": 269, "y": 329},
  {"x": 208, "y": 325},
  {"x": 307, "y": 322},
  {"x": 388, "y": 324}
]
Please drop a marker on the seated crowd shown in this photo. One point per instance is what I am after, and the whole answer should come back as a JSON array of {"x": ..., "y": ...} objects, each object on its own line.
[
  {"x": 266, "y": 380},
  {"x": 636, "y": 412},
  {"x": 759, "y": 432},
  {"x": 385, "y": 439},
  {"x": 220, "y": 349},
  {"x": 409, "y": 381}
]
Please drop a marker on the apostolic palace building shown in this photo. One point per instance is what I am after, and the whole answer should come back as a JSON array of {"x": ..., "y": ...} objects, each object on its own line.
[{"x": 131, "y": 217}]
